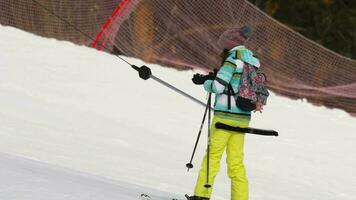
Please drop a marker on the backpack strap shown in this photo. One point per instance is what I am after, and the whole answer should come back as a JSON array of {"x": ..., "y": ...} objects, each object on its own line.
[{"x": 230, "y": 92}]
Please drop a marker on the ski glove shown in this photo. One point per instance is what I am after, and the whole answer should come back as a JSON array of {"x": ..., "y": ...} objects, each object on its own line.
[{"x": 199, "y": 79}]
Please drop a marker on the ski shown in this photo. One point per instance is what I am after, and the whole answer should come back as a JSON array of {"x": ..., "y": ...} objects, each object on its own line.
[
  {"x": 247, "y": 130},
  {"x": 195, "y": 197},
  {"x": 144, "y": 196}
]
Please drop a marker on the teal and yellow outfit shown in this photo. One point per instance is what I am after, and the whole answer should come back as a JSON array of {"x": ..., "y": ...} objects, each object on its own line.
[{"x": 227, "y": 113}]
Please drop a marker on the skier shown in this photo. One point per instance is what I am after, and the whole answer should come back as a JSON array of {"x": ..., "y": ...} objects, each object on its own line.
[{"x": 239, "y": 89}]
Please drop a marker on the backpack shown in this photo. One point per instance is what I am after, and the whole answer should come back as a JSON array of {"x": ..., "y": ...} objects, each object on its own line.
[{"x": 252, "y": 88}]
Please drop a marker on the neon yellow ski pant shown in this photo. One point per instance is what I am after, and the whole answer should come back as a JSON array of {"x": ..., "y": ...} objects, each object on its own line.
[{"x": 234, "y": 144}]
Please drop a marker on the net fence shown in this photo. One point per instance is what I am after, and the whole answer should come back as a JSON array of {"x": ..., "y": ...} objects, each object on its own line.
[{"x": 183, "y": 34}]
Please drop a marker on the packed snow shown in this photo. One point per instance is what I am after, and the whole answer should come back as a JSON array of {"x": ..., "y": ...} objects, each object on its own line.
[
  {"x": 28, "y": 179},
  {"x": 76, "y": 121}
]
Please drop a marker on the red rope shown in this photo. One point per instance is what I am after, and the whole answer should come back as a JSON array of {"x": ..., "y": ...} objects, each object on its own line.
[{"x": 117, "y": 12}]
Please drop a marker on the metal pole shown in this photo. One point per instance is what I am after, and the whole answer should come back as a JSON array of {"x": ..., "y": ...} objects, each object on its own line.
[
  {"x": 178, "y": 90},
  {"x": 207, "y": 185},
  {"x": 190, "y": 165}
]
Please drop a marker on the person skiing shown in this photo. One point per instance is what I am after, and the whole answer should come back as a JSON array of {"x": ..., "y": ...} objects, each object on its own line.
[{"x": 239, "y": 89}]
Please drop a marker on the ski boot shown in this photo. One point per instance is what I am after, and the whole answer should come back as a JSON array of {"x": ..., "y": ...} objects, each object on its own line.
[{"x": 195, "y": 198}]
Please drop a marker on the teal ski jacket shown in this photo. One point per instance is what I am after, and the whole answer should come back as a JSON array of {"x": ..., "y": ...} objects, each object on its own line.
[{"x": 230, "y": 72}]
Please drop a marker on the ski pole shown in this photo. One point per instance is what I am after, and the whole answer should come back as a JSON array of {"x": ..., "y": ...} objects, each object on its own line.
[
  {"x": 190, "y": 165},
  {"x": 207, "y": 185}
]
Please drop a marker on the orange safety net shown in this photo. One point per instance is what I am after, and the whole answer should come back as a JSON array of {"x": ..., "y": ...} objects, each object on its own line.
[{"x": 183, "y": 34}]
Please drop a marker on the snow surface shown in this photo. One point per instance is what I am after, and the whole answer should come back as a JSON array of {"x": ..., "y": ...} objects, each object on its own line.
[
  {"x": 28, "y": 179},
  {"x": 88, "y": 124}
]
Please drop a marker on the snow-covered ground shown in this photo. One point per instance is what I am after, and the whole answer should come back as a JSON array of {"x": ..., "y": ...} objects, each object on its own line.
[
  {"x": 85, "y": 120},
  {"x": 27, "y": 179}
]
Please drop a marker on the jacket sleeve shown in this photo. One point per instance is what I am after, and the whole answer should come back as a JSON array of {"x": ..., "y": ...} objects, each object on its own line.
[{"x": 222, "y": 78}]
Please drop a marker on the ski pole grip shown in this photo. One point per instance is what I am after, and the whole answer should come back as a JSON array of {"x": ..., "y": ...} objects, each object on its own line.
[{"x": 144, "y": 72}]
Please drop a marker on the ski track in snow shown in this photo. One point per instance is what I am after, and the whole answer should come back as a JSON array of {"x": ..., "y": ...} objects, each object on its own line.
[{"x": 74, "y": 108}]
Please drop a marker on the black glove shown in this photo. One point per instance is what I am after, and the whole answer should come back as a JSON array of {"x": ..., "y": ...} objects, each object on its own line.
[{"x": 199, "y": 79}]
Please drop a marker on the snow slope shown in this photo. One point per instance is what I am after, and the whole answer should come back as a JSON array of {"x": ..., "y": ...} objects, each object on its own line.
[
  {"x": 74, "y": 107},
  {"x": 27, "y": 179}
]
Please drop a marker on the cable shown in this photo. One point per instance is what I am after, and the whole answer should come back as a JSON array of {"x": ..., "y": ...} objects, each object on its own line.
[
  {"x": 133, "y": 66},
  {"x": 77, "y": 29}
]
